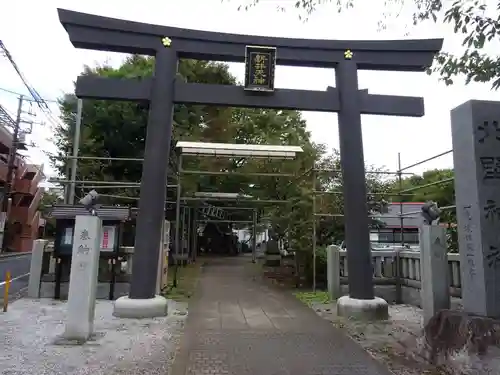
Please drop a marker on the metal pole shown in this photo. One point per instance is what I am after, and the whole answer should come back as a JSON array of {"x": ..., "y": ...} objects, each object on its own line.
[
  {"x": 245, "y": 200},
  {"x": 183, "y": 232},
  {"x": 397, "y": 194},
  {"x": 367, "y": 172},
  {"x": 10, "y": 171},
  {"x": 177, "y": 218},
  {"x": 67, "y": 173},
  {"x": 118, "y": 184},
  {"x": 426, "y": 160},
  {"x": 135, "y": 187},
  {"x": 247, "y": 174},
  {"x": 314, "y": 229},
  {"x": 451, "y": 179},
  {"x": 188, "y": 231},
  {"x": 76, "y": 149},
  {"x": 374, "y": 216},
  {"x": 106, "y": 158},
  {"x": 195, "y": 233},
  {"x": 401, "y": 219},
  {"x": 225, "y": 221},
  {"x": 398, "y": 260},
  {"x": 254, "y": 236}
]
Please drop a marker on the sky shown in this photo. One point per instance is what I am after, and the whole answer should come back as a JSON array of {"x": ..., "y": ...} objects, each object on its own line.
[{"x": 40, "y": 46}]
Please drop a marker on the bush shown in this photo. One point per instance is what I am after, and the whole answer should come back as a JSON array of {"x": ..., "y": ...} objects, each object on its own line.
[{"x": 305, "y": 258}]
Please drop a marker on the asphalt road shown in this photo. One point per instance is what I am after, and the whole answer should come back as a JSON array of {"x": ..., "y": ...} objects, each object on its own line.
[{"x": 19, "y": 267}]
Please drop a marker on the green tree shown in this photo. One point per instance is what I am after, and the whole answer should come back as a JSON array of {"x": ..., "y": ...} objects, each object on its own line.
[
  {"x": 49, "y": 198},
  {"x": 118, "y": 129},
  {"x": 443, "y": 193},
  {"x": 476, "y": 22}
]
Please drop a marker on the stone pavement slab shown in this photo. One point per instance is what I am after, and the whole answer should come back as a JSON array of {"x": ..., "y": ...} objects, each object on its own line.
[{"x": 238, "y": 325}]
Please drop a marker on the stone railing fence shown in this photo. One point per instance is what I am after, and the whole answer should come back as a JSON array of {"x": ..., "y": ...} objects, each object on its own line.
[
  {"x": 405, "y": 276},
  {"x": 385, "y": 268}
]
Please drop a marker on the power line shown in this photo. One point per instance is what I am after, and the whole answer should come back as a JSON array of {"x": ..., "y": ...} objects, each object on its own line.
[
  {"x": 37, "y": 98},
  {"x": 34, "y": 94},
  {"x": 27, "y": 99},
  {"x": 48, "y": 114}
]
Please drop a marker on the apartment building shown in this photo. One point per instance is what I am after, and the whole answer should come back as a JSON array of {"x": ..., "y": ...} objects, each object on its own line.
[
  {"x": 23, "y": 214},
  {"x": 390, "y": 233}
]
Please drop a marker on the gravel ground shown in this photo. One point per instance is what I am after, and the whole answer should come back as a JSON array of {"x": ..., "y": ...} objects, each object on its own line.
[
  {"x": 30, "y": 330},
  {"x": 386, "y": 341}
]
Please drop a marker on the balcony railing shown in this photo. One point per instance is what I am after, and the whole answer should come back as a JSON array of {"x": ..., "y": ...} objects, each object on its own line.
[
  {"x": 32, "y": 176},
  {"x": 3, "y": 170},
  {"x": 24, "y": 214}
]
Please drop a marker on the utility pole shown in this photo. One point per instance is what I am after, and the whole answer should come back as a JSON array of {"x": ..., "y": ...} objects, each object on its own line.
[
  {"x": 10, "y": 171},
  {"x": 76, "y": 149}
]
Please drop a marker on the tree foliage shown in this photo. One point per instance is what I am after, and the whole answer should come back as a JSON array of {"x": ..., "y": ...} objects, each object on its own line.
[
  {"x": 441, "y": 193},
  {"x": 118, "y": 129},
  {"x": 49, "y": 198},
  {"x": 477, "y": 22}
]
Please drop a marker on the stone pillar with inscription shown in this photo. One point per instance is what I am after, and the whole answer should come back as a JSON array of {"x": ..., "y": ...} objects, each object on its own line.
[
  {"x": 83, "y": 278},
  {"x": 476, "y": 155}
]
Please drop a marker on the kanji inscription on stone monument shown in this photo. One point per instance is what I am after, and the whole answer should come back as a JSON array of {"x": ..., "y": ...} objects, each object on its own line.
[{"x": 476, "y": 145}]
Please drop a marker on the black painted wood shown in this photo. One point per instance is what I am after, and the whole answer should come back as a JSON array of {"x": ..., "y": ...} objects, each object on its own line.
[
  {"x": 109, "y": 34},
  {"x": 91, "y": 87}
]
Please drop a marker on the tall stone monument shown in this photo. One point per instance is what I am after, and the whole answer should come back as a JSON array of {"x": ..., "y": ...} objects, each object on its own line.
[
  {"x": 476, "y": 155},
  {"x": 83, "y": 278}
]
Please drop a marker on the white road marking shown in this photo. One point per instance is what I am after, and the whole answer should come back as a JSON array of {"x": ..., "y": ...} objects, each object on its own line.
[
  {"x": 14, "y": 279},
  {"x": 11, "y": 258}
]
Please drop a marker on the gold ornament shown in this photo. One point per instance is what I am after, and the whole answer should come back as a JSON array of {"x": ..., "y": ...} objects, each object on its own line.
[
  {"x": 348, "y": 54},
  {"x": 166, "y": 41}
]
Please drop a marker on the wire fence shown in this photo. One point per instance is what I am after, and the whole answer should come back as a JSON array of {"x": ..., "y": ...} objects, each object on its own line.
[
  {"x": 396, "y": 234},
  {"x": 399, "y": 234},
  {"x": 405, "y": 215}
]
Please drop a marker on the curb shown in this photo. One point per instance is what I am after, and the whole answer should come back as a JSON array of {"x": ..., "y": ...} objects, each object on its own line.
[{"x": 13, "y": 255}]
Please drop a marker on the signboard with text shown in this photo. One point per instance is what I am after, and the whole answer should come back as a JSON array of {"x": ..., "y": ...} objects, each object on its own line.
[
  {"x": 108, "y": 237},
  {"x": 260, "y": 65}
]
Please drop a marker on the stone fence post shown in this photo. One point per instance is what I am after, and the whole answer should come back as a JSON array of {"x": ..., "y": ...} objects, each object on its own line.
[
  {"x": 333, "y": 271},
  {"x": 36, "y": 268},
  {"x": 435, "y": 286}
]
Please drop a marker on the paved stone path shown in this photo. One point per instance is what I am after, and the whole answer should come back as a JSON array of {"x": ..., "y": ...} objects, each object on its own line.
[{"x": 239, "y": 325}]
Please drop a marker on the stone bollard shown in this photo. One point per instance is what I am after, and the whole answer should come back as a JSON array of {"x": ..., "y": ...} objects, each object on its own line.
[
  {"x": 435, "y": 286},
  {"x": 52, "y": 264},
  {"x": 333, "y": 271},
  {"x": 36, "y": 268},
  {"x": 83, "y": 278}
]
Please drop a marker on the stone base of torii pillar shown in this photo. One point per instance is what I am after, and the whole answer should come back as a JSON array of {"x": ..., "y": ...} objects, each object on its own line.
[
  {"x": 363, "y": 309},
  {"x": 126, "y": 307}
]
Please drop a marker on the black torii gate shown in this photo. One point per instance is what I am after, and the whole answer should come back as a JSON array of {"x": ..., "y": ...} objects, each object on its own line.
[{"x": 163, "y": 90}]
